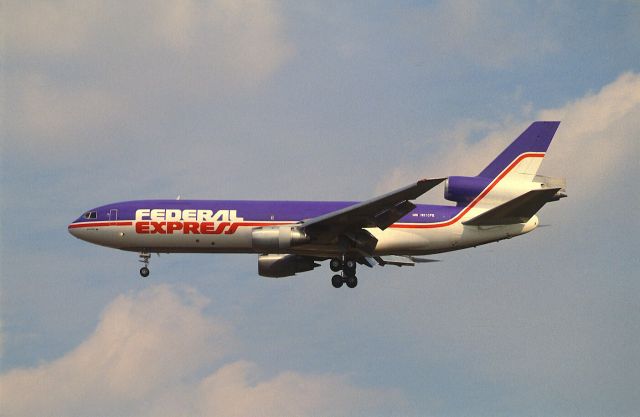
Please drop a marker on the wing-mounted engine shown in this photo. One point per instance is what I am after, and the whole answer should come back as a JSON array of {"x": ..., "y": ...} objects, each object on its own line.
[
  {"x": 279, "y": 265},
  {"x": 277, "y": 238}
]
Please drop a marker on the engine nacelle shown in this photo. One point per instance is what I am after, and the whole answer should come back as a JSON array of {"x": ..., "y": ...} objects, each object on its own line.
[
  {"x": 279, "y": 266},
  {"x": 277, "y": 238},
  {"x": 464, "y": 189}
]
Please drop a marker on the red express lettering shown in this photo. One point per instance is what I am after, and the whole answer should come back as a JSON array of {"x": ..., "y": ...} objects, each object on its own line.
[
  {"x": 191, "y": 227},
  {"x": 207, "y": 228},
  {"x": 232, "y": 229},
  {"x": 142, "y": 227},
  {"x": 157, "y": 227}
]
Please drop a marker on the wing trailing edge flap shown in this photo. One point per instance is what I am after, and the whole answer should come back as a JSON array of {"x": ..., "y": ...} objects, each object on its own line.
[
  {"x": 380, "y": 212},
  {"x": 398, "y": 260},
  {"x": 518, "y": 210},
  {"x": 391, "y": 215}
]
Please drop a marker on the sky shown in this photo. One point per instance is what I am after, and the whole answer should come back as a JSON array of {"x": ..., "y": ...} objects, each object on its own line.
[{"x": 232, "y": 99}]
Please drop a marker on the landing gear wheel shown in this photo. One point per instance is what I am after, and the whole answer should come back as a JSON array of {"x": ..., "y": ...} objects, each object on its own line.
[
  {"x": 349, "y": 268},
  {"x": 352, "y": 281},
  {"x": 144, "y": 258},
  {"x": 337, "y": 281},
  {"x": 335, "y": 264}
]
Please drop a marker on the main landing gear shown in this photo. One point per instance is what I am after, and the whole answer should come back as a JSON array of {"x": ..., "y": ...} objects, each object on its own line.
[
  {"x": 348, "y": 276},
  {"x": 144, "y": 258}
]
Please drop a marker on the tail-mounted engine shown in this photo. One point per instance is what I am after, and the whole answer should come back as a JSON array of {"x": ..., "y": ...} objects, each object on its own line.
[
  {"x": 277, "y": 238},
  {"x": 463, "y": 190},
  {"x": 279, "y": 266}
]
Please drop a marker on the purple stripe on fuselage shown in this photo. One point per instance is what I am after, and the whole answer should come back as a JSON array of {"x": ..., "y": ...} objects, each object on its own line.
[{"x": 263, "y": 210}]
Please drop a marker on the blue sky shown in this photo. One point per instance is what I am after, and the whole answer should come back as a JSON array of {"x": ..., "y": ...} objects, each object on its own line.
[{"x": 317, "y": 100}]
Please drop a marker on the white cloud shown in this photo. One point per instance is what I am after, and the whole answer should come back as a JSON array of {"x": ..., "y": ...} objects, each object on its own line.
[
  {"x": 48, "y": 28},
  {"x": 150, "y": 355},
  {"x": 89, "y": 66},
  {"x": 598, "y": 135},
  {"x": 239, "y": 43},
  {"x": 535, "y": 313},
  {"x": 243, "y": 40},
  {"x": 234, "y": 391},
  {"x": 1, "y": 337},
  {"x": 484, "y": 32},
  {"x": 40, "y": 109},
  {"x": 143, "y": 342}
]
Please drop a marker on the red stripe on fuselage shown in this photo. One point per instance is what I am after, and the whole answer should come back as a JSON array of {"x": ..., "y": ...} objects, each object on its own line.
[
  {"x": 99, "y": 224},
  {"x": 130, "y": 223},
  {"x": 476, "y": 200}
]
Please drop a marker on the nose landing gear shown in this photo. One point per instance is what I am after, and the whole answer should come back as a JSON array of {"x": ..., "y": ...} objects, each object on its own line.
[
  {"x": 348, "y": 276},
  {"x": 144, "y": 258}
]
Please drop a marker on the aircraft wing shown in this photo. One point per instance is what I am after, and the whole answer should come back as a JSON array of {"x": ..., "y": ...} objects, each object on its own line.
[{"x": 380, "y": 212}]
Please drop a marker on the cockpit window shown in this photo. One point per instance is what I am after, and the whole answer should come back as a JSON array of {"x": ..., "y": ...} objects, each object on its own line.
[{"x": 90, "y": 215}]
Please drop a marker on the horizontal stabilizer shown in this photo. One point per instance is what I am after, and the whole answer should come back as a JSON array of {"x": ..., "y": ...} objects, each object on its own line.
[
  {"x": 401, "y": 260},
  {"x": 518, "y": 210}
]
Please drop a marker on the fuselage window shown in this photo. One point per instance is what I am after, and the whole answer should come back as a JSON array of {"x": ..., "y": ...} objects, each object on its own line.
[{"x": 90, "y": 215}]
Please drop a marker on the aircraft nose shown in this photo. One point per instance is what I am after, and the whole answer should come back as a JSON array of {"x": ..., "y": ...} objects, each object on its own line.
[{"x": 72, "y": 230}]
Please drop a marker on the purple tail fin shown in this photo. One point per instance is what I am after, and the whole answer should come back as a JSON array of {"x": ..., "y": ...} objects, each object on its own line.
[{"x": 536, "y": 138}]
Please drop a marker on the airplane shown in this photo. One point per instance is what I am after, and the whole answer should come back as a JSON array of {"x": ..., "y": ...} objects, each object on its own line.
[{"x": 292, "y": 237}]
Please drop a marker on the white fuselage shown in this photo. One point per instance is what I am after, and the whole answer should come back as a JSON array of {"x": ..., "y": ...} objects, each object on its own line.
[{"x": 400, "y": 238}]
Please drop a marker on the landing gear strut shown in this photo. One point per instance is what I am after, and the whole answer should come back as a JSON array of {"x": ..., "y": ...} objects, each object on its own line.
[
  {"x": 348, "y": 276},
  {"x": 144, "y": 258}
]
